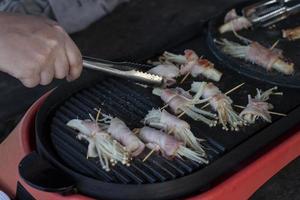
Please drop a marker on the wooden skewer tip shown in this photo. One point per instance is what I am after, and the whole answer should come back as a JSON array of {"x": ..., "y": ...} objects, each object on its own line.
[
  {"x": 149, "y": 154},
  {"x": 185, "y": 77}
]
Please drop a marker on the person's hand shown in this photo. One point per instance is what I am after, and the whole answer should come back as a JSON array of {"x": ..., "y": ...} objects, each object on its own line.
[{"x": 35, "y": 50}]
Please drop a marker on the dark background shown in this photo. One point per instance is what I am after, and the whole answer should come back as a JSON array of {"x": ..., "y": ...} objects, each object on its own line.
[{"x": 139, "y": 30}]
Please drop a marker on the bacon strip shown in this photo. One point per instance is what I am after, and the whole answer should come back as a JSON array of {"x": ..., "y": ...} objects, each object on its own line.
[
  {"x": 262, "y": 56},
  {"x": 167, "y": 144},
  {"x": 125, "y": 136},
  {"x": 176, "y": 98},
  {"x": 172, "y": 121}
]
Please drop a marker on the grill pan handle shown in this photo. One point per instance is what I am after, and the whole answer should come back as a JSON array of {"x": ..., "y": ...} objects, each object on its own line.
[{"x": 41, "y": 175}]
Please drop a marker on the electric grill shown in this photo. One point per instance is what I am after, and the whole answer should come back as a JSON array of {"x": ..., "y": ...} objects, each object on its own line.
[{"x": 239, "y": 159}]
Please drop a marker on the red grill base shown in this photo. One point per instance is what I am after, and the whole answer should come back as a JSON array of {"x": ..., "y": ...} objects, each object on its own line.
[{"x": 240, "y": 185}]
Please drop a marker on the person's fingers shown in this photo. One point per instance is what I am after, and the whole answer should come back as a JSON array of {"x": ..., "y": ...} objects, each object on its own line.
[
  {"x": 30, "y": 82},
  {"x": 50, "y": 22},
  {"x": 75, "y": 59},
  {"x": 61, "y": 64},
  {"x": 47, "y": 76}
]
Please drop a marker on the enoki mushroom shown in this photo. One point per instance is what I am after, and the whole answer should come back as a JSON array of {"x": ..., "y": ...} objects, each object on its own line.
[
  {"x": 258, "y": 107},
  {"x": 221, "y": 103},
  {"x": 180, "y": 101},
  {"x": 101, "y": 144}
]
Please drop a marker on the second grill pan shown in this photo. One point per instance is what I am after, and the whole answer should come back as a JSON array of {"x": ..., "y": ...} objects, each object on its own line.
[{"x": 265, "y": 36}]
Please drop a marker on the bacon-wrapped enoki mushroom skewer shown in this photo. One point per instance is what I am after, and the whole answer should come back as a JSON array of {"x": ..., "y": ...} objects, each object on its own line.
[
  {"x": 167, "y": 70},
  {"x": 258, "y": 54},
  {"x": 234, "y": 22},
  {"x": 220, "y": 102},
  {"x": 191, "y": 63},
  {"x": 168, "y": 145},
  {"x": 291, "y": 34},
  {"x": 258, "y": 107},
  {"x": 173, "y": 125},
  {"x": 180, "y": 101},
  {"x": 119, "y": 131},
  {"x": 201, "y": 67},
  {"x": 101, "y": 144}
]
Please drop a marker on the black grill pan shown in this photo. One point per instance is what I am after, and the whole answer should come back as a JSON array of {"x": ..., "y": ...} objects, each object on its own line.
[{"x": 265, "y": 36}]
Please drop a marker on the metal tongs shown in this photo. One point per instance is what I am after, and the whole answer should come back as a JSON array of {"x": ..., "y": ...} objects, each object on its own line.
[
  {"x": 269, "y": 12},
  {"x": 126, "y": 70}
]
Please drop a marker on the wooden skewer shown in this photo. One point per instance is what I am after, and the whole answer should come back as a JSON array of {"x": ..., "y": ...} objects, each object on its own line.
[
  {"x": 184, "y": 78},
  {"x": 136, "y": 130},
  {"x": 142, "y": 85},
  {"x": 274, "y": 45},
  {"x": 205, "y": 105},
  {"x": 181, "y": 114},
  {"x": 149, "y": 154},
  {"x": 171, "y": 130},
  {"x": 98, "y": 114},
  {"x": 165, "y": 106},
  {"x": 273, "y": 113},
  {"x": 235, "y": 88}
]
